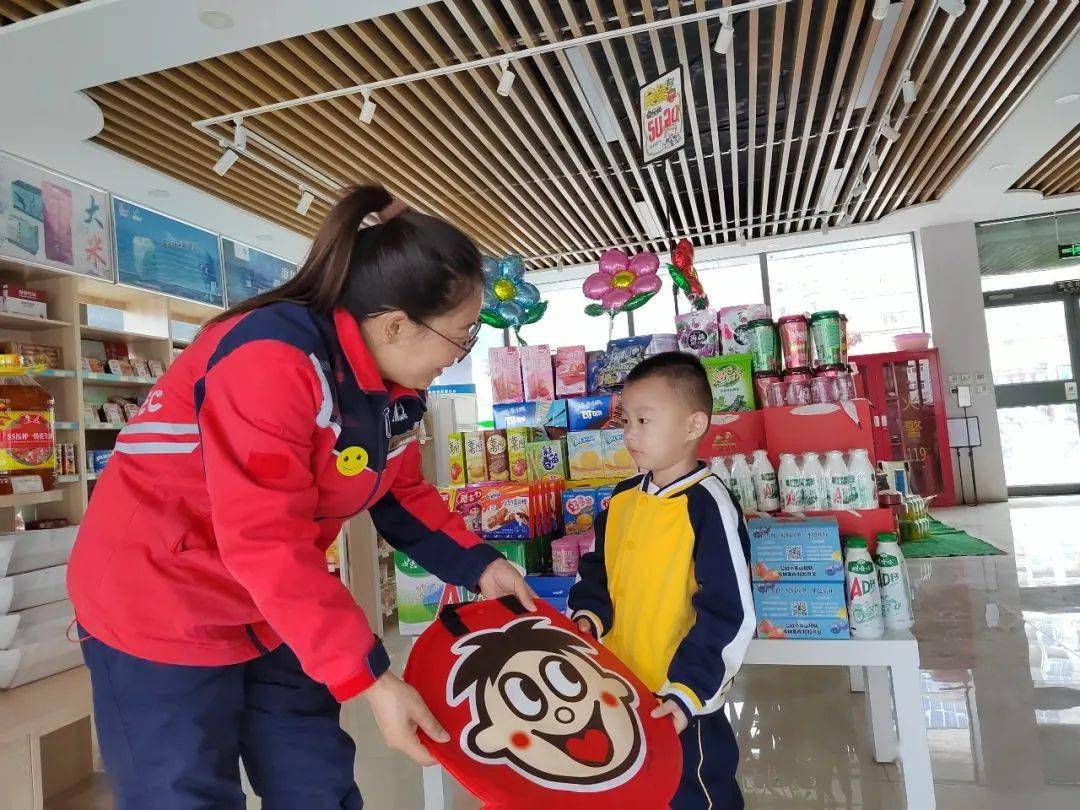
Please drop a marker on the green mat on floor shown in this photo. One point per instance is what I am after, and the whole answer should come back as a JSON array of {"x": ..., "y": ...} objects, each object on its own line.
[{"x": 945, "y": 541}]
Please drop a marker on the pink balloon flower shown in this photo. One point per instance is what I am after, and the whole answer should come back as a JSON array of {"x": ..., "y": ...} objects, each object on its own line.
[{"x": 620, "y": 278}]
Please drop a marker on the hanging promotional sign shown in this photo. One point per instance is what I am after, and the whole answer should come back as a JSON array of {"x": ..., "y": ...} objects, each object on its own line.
[
  {"x": 662, "y": 122},
  {"x": 165, "y": 255},
  {"x": 51, "y": 220},
  {"x": 249, "y": 272}
]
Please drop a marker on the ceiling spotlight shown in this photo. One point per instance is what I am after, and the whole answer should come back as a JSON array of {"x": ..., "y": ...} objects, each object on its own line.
[
  {"x": 858, "y": 189},
  {"x": 725, "y": 37},
  {"x": 889, "y": 133},
  {"x": 226, "y": 161},
  {"x": 881, "y": 9},
  {"x": 908, "y": 88},
  {"x": 1069, "y": 98},
  {"x": 742, "y": 236},
  {"x": 506, "y": 80},
  {"x": 954, "y": 8},
  {"x": 825, "y": 227},
  {"x": 367, "y": 112},
  {"x": 240, "y": 136},
  {"x": 218, "y": 20},
  {"x": 874, "y": 163},
  {"x": 306, "y": 199},
  {"x": 845, "y": 218}
]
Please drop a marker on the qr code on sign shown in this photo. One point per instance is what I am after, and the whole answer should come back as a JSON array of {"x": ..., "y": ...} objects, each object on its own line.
[
  {"x": 793, "y": 554},
  {"x": 800, "y": 609}
]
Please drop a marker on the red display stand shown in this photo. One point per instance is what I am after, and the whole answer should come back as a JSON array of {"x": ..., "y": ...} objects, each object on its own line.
[
  {"x": 867, "y": 523},
  {"x": 819, "y": 428},
  {"x": 907, "y": 392},
  {"x": 730, "y": 433}
]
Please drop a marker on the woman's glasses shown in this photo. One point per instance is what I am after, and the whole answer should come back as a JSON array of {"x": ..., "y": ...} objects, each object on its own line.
[{"x": 467, "y": 346}]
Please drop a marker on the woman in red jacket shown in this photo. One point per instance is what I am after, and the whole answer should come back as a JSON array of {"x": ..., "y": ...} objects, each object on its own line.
[{"x": 211, "y": 627}]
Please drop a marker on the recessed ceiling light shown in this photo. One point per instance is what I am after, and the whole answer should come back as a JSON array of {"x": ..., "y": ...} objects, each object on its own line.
[
  {"x": 264, "y": 237},
  {"x": 1067, "y": 99},
  {"x": 159, "y": 193},
  {"x": 1000, "y": 167},
  {"x": 218, "y": 20}
]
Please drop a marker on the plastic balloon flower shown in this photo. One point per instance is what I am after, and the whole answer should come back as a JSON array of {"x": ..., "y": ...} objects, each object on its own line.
[
  {"x": 622, "y": 283},
  {"x": 509, "y": 300}
]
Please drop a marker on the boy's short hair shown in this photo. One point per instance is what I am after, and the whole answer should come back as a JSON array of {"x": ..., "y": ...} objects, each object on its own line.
[{"x": 683, "y": 373}]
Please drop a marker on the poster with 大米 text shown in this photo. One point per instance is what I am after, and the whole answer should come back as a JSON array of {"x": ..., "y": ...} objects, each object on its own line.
[{"x": 250, "y": 272}]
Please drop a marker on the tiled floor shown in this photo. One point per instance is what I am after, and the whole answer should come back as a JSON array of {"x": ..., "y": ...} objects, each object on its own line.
[{"x": 1000, "y": 646}]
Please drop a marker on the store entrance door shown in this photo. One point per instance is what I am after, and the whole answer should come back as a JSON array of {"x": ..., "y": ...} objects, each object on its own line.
[{"x": 1034, "y": 338}]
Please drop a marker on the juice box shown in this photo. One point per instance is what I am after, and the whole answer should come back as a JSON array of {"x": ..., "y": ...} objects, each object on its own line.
[
  {"x": 571, "y": 377},
  {"x": 585, "y": 453},
  {"x": 800, "y": 600},
  {"x": 618, "y": 463},
  {"x": 504, "y": 366},
  {"x": 455, "y": 453},
  {"x": 579, "y": 506},
  {"x": 732, "y": 382},
  {"x": 475, "y": 458},
  {"x": 795, "y": 549},
  {"x": 548, "y": 416},
  {"x": 504, "y": 512},
  {"x": 547, "y": 459},
  {"x": 603, "y": 497},
  {"x": 498, "y": 462},
  {"x": 590, "y": 413},
  {"x": 516, "y": 439},
  {"x": 536, "y": 373}
]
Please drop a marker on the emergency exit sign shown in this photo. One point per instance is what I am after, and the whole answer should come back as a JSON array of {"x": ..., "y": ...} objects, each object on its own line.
[{"x": 1069, "y": 251}]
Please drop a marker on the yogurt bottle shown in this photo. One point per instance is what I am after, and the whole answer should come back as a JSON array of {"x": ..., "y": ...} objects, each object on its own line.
[
  {"x": 719, "y": 468},
  {"x": 743, "y": 483},
  {"x": 765, "y": 484},
  {"x": 841, "y": 481},
  {"x": 865, "y": 479},
  {"x": 815, "y": 484},
  {"x": 791, "y": 484},
  {"x": 863, "y": 594},
  {"x": 892, "y": 578}
]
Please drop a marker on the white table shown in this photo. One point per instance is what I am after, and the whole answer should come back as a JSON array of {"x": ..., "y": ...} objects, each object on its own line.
[{"x": 897, "y": 725}]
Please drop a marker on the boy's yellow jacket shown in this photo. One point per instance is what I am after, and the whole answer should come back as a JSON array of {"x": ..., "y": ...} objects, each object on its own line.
[{"x": 668, "y": 586}]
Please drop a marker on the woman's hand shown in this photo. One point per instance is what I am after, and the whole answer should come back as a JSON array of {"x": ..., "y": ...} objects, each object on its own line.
[
  {"x": 399, "y": 711},
  {"x": 502, "y": 579},
  {"x": 669, "y": 708}
]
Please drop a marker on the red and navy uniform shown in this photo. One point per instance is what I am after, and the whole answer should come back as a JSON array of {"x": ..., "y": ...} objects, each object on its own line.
[{"x": 204, "y": 541}]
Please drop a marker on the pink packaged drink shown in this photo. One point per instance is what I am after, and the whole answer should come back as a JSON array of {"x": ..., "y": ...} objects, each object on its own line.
[
  {"x": 797, "y": 382},
  {"x": 823, "y": 388},
  {"x": 586, "y": 542},
  {"x": 536, "y": 373},
  {"x": 570, "y": 372},
  {"x": 795, "y": 341},
  {"x": 769, "y": 389},
  {"x": 504, "y": 366},
  {"x": 565, "y": 553},
  {"x": 698, "y": 333}
]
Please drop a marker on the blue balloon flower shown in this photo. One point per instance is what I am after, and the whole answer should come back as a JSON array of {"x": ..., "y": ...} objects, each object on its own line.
[
  {"x": 527, "y": 294},
  {"x": 512, "y": 312},
  {"x": 512, "y": 267}
]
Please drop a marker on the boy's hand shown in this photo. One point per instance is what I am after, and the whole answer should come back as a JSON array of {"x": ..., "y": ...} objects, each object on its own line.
[
  {"x": 586, "y": 627},
  {"x": 673, "y": 710}
]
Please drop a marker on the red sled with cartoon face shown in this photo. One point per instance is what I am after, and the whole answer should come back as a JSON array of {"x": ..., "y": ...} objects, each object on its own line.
[{"x": 538, "y": 714}]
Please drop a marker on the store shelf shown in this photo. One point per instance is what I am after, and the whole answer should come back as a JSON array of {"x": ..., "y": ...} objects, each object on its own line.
[
  {"x": 29, "y": 498},
  {"x": 68, "y": 479},
  {"x": 181, "y": 343},
  {"x": 118, "y": 335},
  {"x": 27, "y": 323},
  {"x": 93, "y": 476},
  {"x": 66, "y": 425},
  {"x": 95, "y": 378},
  {"x": 104, "y": 426},
  {"x": 52, "y": 372}
]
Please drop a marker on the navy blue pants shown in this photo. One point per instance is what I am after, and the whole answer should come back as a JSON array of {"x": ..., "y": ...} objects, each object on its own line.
[
  {"x": 172, "y": 736},
  {"x": 710, "y": 759}
]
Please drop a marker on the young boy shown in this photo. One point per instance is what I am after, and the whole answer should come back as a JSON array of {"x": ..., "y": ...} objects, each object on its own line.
[{"x": 668, "y": 586}]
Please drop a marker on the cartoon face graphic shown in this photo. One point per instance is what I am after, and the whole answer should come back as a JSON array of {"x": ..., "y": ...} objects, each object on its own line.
[
  {"x": 352, "y": 461},
  {"x": 542, "y": 705}
]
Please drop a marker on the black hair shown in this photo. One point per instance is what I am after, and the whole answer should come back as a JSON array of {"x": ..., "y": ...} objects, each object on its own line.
[
  {"x": 487, "y": 653},
  {"x": 419, "y": 264},
  {"x": 683, "y": 373}
]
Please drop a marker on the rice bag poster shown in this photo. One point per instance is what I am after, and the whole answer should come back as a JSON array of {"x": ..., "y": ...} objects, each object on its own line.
[
  {"x": 250, "y": 272},
  {"x": 165, "y": 255},
  {"x": 663, "y": 129},
  {"x": 51, "y": 220}
]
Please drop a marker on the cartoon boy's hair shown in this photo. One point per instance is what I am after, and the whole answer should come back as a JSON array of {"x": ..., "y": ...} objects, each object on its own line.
[{"x": 485, "y": 654}]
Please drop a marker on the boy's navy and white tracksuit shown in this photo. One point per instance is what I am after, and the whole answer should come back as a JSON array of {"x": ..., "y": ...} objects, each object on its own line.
[
  {"x": 212, "y": 627},
  {"x": 667, "y": 588}
]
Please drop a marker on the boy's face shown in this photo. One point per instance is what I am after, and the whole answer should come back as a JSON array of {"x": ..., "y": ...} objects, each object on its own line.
[{"x": 661, "y": 429}]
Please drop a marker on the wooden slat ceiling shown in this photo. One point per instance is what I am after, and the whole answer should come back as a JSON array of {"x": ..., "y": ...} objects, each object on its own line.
[
  {"x": 1056, "y": 173},
  {"x": 533, "y": 173},
  {"x": 13, "y": 11}
]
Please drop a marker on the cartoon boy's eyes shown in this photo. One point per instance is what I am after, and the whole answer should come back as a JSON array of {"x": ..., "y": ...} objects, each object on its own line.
[
  {"x": 562, "y": 678},
  {"x": 523, "y": 696}
]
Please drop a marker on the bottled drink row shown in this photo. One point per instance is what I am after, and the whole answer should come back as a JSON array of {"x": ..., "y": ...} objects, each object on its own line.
[{"x": 846, "y": 480}]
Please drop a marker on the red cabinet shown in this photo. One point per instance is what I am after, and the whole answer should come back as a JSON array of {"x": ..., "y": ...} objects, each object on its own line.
[{"x": 907, "y": 393}]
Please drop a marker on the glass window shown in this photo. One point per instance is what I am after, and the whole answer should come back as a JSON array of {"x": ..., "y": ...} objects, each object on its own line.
[
  {"x": 473, "y": 370},
  {"x": 732, "y": 282},
  {"x": 1024, "y": 252},
  {"x": 1028, "y": 343},
  {"x": 565, "y": 322},
  {"x": 657, "y": 317},
  {"x": 872, "y": 281},
  {"x": 1027, "y": 432}
]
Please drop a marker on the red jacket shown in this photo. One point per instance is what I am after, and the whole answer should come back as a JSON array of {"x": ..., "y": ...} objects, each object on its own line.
[{"x": 204, "y": 540}]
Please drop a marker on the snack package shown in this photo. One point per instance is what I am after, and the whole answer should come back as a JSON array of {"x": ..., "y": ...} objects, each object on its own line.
[
  {"x": 660, "y": 343},
  {"x": 585, "y": 454},
  {"x": 455, "y": 453},
  {"x": 475, "y": 457},
  {"x": 467, "y": 504},
  {"x": 603, "y": 497},
  {"x": 547, "y": 460},
  {"x": 593, "y": 413},
  {"x": 621, "y": 357},
  {"x": 732, "y": 382},
  {"x": 548, "y": 416},
  {"x": 498, "y": 462},
  {"x": 536, "y": 373},
  {"x": 113, "y": 414},
  {"x": 139, "y": 367},
  {"x": 504, "y": 512},
  {"x": 36, "y": 354},
  {"x": 570, "y": 371},
  {"x": 734, "y": 338},
  {"x": 516, "y": 440},
  {"x": 698, "y": 332},
  {"x": 593, "y": 362},
  {"x": 618, "y": 463},
  {"x": 579, "y": 508},
  {"x": 504, "y": 365},
  {"x": 156, "y": 368}
]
